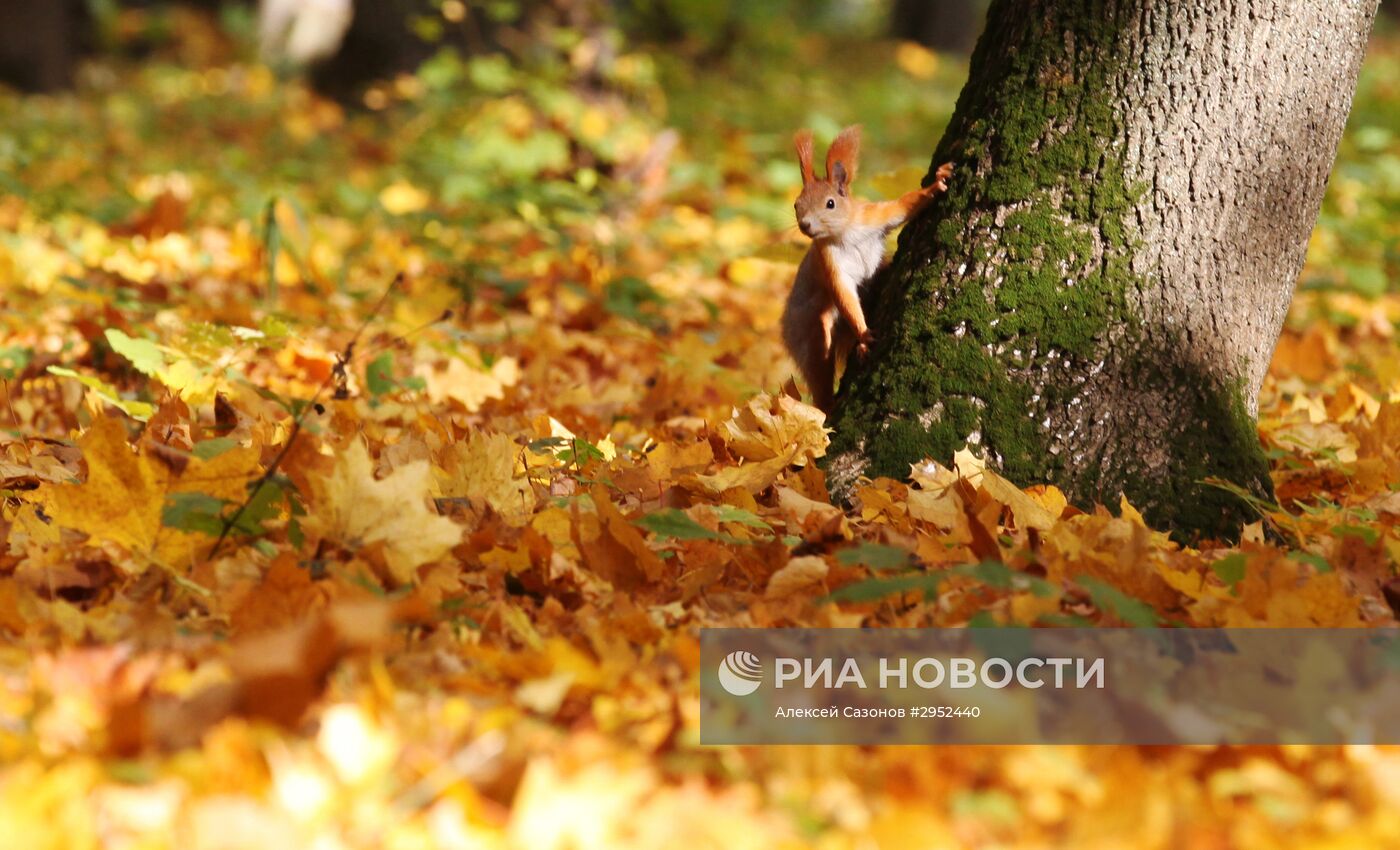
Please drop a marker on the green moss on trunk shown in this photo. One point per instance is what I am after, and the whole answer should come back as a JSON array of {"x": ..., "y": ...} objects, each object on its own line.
[{"x": 1017, "y": 288}]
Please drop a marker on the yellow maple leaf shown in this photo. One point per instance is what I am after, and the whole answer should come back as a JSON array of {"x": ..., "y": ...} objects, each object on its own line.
[
  {"x": 124, "y": 495},
  {"x": 669, "y": 459},
  {"x": 1352, "y": 401},
  {"x": 932, "y": 475},
  {"x": 354, "y": 509},
  {"x": 969, "y": 465},
  {"x": 752, "y": 477},
  {"x": 776, "y": 426},
  {"x": 1050, "y": 497},
  {"x": 483, "y": 468},
  {"x": 942, "y": 506},
  {"x": 1328, "y": 443},
  {"x": 468, "y": 385},
  {"x": 1029, "y": 513}
]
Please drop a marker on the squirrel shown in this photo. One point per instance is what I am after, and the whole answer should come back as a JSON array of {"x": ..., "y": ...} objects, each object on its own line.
[{"x": 822, "y": 319}]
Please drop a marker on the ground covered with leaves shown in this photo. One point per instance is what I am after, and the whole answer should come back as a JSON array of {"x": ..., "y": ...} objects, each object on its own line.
[{"x": 368, "y": 475}]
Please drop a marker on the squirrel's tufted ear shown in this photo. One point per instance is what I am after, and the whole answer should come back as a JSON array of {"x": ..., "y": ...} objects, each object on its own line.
[
  {"x": 803, "y": 141},
  {"x": 844, "y": 150},
  {"x": 840, "y": 178}
]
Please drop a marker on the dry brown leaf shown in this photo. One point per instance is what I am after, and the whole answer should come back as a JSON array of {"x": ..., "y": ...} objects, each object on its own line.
[
  {"x": 796, "y": 576},
  {"x": 617, "y": 551}
]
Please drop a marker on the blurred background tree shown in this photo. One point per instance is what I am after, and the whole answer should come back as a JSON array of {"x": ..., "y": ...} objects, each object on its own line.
[
  {"x": 351, "y": 43},
  {"x": 39, "y": 41},
  {"x": 941, "y": 24}
]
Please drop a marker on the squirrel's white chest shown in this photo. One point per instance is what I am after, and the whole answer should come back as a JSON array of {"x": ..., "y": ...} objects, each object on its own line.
[{"x": 858, "y": 256}]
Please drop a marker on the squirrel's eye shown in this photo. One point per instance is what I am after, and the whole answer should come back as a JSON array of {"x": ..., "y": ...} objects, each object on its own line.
[{"x": 831, "y": 203}]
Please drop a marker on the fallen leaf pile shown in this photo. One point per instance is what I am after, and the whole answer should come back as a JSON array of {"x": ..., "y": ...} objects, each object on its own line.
[{"x": 368, "y": 478}]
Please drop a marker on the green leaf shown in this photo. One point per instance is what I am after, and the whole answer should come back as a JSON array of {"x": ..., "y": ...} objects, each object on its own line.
[
  {"x": 1110, "y": 599},
  {"x": 210, "y": 449},
  {"x": 195, "y": 512},
  {"x": 1369, "y": 535},
  {"x": 990, "y": 573},
  {"x": 983, "y": 620},
  {"x": 1230, "y": 568},
  {"x": 581, "y": 452},
  {"x": 145, "y": 355},
  {"x": 138, "y": 410},
  {"x": 275, "y": 328},
  {"x": 997, "y": 574},
  {"x": 1317, "y": 561},
  {"x": 265, "y": 503},
  {"x": 492, "y": 74},
  {"x": 379, "y": 375},
  {"x": 633, "y": 299},
  {"x": 272, "y": 246},
  {"x": 677, "y": 525},
  {"x": 442, "y": 71},
  {"x": 13, "y": 360},
  {"x": 872, "y": 589},
  {"x": 877, "y": 557},
  {"x": 729, "y": 513}
]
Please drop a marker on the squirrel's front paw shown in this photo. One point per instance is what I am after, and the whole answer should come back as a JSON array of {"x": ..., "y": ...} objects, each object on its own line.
[
  {"x": 863, "y": 343},
  {"x": 940, "y": 178}
]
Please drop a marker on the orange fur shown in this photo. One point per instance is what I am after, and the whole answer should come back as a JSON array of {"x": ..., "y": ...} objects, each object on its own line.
[
  {"x": 803, "y": 141},
  {"x": 810, "y": 328},
  {"x": 890, "y": 213},
  {"x": 845, "y": 149}
]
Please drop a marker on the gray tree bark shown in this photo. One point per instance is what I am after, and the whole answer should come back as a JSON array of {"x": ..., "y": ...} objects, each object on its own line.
[{"x": 1096, "y": 300}]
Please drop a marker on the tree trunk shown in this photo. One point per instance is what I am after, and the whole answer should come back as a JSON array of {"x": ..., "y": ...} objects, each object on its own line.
[{"x": 1096, "y": 300}]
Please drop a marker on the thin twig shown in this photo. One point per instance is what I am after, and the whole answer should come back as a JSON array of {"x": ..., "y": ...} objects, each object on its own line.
[{"x": 231, "y": 522}]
